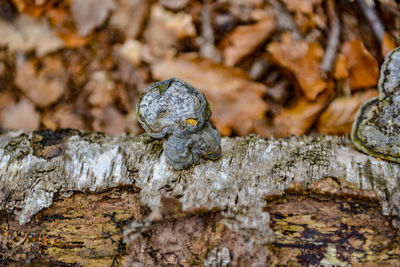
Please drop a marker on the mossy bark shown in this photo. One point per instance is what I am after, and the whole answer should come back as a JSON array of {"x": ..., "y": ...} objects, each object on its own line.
[{"x": 68, "y": 197}]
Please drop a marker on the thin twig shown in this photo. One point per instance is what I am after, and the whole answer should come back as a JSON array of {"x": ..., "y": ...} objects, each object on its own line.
[
  {"x": 373, "y": 19},
  {"x": 284, "y": 19},
  {"x": 208, "y": 49},
  {"x": 333, "y": 38}
]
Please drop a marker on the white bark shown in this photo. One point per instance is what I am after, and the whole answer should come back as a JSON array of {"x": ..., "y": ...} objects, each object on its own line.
[{"x": 250, "y": 169}]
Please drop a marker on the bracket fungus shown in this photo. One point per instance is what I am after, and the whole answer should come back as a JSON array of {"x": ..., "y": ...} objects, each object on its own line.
[
  {"x": 376, "y": 128},
  {"x": 175, "y": 110}
]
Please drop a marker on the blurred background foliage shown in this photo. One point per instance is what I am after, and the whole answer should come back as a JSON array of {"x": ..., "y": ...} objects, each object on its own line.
[{"x": 273, "y": 67}]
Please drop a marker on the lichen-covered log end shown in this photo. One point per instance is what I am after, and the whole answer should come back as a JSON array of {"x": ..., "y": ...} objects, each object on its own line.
[{"x": 376, "y": 128}]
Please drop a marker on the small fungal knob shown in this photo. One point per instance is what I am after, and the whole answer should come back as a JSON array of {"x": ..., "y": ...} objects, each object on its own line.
[
  {"x": 172, "y": 107},
  {"x": 182, "y": 152},
  {"x": 376, "y": 128},
  {"x": 175, "y": 110}
]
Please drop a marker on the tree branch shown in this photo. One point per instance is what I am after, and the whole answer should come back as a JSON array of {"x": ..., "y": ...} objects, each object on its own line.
[{"x": 37, "y": 168}]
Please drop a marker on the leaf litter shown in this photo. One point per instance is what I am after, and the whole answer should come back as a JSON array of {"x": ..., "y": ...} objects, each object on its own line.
[{"x": 83, "y": 64}]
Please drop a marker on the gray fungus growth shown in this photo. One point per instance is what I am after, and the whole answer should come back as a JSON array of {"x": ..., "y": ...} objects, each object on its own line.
[
  {"x": 376, "y": 128},
  {"x": 174, "y": 110}
]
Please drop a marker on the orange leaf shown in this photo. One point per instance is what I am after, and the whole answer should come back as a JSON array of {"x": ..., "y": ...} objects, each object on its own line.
[
  {"x": 340, "y": 70},
  {"x": 244, "y": 39},
  {"x": 32, "y": 8},
  {"x": 339, "y": 116},
  {"x": 387, "y": 44},
  {"x": 236, "y": 101},
  {"x": 363, "y": 67},
  {"x": 299, "y": 118},
  {"x": 303, "y": 60},
  {"x": 301, "y": 6},
  {"x": 61, "y": 22}
]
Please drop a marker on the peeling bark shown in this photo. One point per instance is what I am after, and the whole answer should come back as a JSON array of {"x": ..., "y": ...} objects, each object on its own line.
[{"x": 70, "y": 197}]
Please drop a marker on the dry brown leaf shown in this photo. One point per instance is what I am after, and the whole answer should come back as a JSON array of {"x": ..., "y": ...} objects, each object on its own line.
[
  {"x": 174, "y": 4},
  {"x": 303, "y": 60},
  {"x": 236, "y": 101},
  {"x": 129, "y": 16},
  {"x": 108, "y": 120},
  {"x": 387, "y": 44},
  {"x": 7, "y": 99},
  {"x": 165, "y": 28},
  {"x": 243, "y": 9},
  {"x": 21, "y": 116},
  {"x": 62, "y": 23},
  {"x": 363, "y": 67},
  {"x": 340, "y": 70},
  {"x": 26, "y": 33},
  {"x": 33, "y": 7},
  {"x": 299, "y": 118},
  {"x": 302, "y": 6},
  {"x": 308, "y": 14},
  {"x": 131, "y": 51},
  {"x": 132, "y": 125},
  {"x": 62, "y": 116},
  {"x": 72, "y": 39},
  {"x": 339, "y": 116},
  {"x": 43, "y": 87},
  {"x": 101, "y": 89},
  {"x": 90, "y": 14},
  {"x": 244, "y": 39},
  {"x": 7, "y": 70}
]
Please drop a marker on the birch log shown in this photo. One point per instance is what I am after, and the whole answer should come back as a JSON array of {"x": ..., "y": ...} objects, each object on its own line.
[{"x": 87, "y": 199}]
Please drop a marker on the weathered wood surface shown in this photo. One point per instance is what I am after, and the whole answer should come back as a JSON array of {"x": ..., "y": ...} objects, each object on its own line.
[{"x": 70, "y": 198}]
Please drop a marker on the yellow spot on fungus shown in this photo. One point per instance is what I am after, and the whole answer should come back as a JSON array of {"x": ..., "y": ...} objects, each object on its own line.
[{"x": 191, "y": 122}]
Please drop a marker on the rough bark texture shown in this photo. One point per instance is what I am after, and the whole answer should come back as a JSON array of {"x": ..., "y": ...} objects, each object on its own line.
[{"x": 68, "y": 198}]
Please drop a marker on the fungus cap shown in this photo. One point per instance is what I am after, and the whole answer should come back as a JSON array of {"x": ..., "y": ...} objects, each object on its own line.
[{"x": 172, "y": 107}]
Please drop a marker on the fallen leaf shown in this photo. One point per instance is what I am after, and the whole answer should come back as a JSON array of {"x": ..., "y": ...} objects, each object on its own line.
[
  {"x": 340, "y": 70},
  {"x": 363, "y": 67},
  {"x": 307, "y": 14},
  {"x": 303, "y": 60},
  {"x": 302, "y": 6},
  {"x": 72, "y": 39},
  {"x": 62, "y": 23},
  {"x": 132, "y": 125},
  {"x": 101, "y": 89},
  {"x": 263, "y": 128},
  {"x": 45, "y": 86},
  {"x": 129, "y": 16},
  {"x": 21, "y": 116},
  {"x": 245, "y": 39},
  {"x": 174, "y": 4},
  {"x": 299, "y": 118},
  {"x": 34, "y": 8},
  {"x": 243, "y": 9},
  {"x": 339, "y": 116},
  {"x": 7, "y": 70},
  {"x": 387, "y": 44},
  {"x": 108, "y": 120},
  {"x": 62, "y": 116},
  {"x": 235, "y": 99},
  {"x": 165, "y": 28},
  {"x": 131, "y": 51},
  {"x": 26, "y": 33},
  {"x": 6, "y": 99},
  {"x": 180, "y": 24},
  {"x": 90, "y": 14}
]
